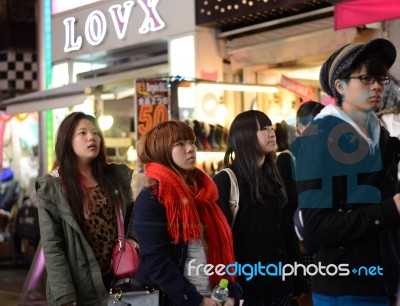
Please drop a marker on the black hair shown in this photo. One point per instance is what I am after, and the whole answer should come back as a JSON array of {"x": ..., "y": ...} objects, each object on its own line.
[
  {"x": 282, "y": 137},
  {"x": 244, "y": 152},
  {"x": 307, "y": 111}
]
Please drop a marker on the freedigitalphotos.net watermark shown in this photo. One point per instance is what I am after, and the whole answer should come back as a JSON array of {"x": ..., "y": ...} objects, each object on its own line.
[{"x": 281, "y": 270}]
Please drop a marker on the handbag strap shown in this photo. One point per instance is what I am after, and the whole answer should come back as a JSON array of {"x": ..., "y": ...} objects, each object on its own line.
[
  {"x": 234, "y": 194},
  {"x": 120, "y": 226}
]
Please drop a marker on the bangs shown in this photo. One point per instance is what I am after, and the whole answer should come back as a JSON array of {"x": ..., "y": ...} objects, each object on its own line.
[
  {"x": 174, "y": 131},
  {"x": 374, "y": 65},
  {"x": 263, "y": 119},
  {"x": 182, "y": 131},
  {"x": 156, "y": 145}
]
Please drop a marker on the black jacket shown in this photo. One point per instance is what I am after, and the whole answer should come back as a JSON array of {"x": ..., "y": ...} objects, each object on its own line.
[
  {"x": 346, "y": 191},
  {"x": 263, "y": 232}
]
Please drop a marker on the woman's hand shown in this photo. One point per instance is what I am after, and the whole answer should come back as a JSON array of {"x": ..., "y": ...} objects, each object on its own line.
[
  {"x": 70, "y": 304},
  {"x": 134, "y": 243},
  {"x": 210, "y": 302},
  {"x": 230, "y": 302},
  {"x": 396, "y": 199}
]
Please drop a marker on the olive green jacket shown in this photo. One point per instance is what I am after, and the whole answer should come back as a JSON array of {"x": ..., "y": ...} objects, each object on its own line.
[{"x": 73, "y": 273}]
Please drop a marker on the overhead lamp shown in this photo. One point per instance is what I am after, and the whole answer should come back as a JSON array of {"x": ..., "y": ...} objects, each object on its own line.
[
  {"x": 125, "y": 93},
  {"x": 105, "y": 122},
  {"x": 107, "y": 96},
  {"x": 87, "y": 106},
  {"x": 237, "y": 87}
]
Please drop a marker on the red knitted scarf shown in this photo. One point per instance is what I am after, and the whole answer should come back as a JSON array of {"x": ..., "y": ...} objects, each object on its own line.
[{"x": 186, "y": 211}]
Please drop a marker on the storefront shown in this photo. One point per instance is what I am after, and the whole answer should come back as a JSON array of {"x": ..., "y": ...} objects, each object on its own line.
[
  {"x": 286, "y": 49},
  {"x": 290, "y": 58},
  {"x": 99, "y": 49},
  {"x": 102, "y": 51},
  {"x": 97, "y": 54}
]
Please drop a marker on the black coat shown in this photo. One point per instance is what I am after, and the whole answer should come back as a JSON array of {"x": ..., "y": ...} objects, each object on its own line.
[
  {"x": 346, "y": 191},
  {"x": 262, "y": 232}
]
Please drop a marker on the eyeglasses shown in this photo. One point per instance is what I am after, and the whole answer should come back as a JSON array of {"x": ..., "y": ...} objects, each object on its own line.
[
  {"x": 368, "y": 80},
  {"x": 267, "y": 128}
]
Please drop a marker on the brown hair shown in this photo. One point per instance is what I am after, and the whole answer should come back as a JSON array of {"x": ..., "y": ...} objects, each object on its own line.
[
  {"x": 72, "y": 185},
  {"x": 156, "y": 145}
]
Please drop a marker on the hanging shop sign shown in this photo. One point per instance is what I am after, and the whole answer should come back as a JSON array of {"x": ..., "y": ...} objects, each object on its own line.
[
  {"x": 152, "y": 103},
  {"x": 360, "y": 12},
  {"x": 96, "y": 24},
  {"x": 302, "y": 90}
]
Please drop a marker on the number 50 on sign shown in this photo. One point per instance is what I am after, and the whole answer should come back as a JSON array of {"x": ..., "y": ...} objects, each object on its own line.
[{"x": 151, "y": 104}]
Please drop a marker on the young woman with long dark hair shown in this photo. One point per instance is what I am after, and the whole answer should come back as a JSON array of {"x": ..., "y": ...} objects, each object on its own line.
[
  {"x": 77, "y": 214},
  {"x": 262, "y": 232}
]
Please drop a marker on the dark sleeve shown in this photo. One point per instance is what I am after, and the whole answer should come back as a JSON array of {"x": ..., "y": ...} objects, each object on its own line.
[
  {"x": 157, "y": 266},
  {"x": 329, "y": 227},
  {"x": 129, "y": 229},
  {"x": 235, "y": 291},
  {"x": 122, "y": 174},
  {"x": 284, "y": 164},
  {"x": 223, "y": 182}
]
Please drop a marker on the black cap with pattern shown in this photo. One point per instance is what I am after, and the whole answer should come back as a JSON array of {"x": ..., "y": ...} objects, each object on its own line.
[{"x": 343, "y": 59}]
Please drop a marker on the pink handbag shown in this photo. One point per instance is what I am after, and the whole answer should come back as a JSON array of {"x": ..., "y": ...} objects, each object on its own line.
[{"x": 126, "y": 254}]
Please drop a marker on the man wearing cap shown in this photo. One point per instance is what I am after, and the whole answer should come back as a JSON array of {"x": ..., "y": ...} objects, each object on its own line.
[{"x": 346, "y": 173}]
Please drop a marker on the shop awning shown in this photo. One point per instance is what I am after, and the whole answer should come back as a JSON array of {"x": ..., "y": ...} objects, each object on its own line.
[
  {"x": 288, "y": 45},
  {"x": 353, "y": 13},
  {"x": 75, "y": 93}
]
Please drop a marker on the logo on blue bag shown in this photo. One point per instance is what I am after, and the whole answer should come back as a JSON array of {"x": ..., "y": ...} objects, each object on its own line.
[{"x": 336, "y": 150}]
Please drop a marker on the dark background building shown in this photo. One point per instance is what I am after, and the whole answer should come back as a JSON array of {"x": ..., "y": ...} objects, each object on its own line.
[{"x": 18, "y": 60}]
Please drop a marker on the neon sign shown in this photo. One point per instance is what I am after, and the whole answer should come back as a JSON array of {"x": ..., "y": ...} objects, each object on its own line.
[{"x": 96, "y": 23}]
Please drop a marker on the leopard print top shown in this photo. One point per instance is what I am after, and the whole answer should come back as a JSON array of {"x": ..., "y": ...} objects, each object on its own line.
[{"x": 100, "y": 228}]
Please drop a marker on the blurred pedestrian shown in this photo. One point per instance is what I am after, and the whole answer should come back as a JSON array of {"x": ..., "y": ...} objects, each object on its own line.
[
  {"x": 26, "y": 234},
  {"x": 285, "y": 162}
]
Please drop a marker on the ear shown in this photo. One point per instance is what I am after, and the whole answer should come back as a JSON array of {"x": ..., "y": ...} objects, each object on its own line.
[
  {"x": 340, "y": 85},
  {"x": 300, "y": 129}
]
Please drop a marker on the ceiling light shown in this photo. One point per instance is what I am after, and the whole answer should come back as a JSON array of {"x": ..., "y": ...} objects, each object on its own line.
[
  {"x": 105, "y": 122},
  {"x": 237, "y": 87}
]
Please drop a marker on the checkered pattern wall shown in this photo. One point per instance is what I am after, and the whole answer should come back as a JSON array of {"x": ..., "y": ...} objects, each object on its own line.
[{"x": 18, "y": 72}]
